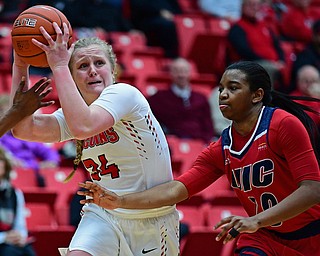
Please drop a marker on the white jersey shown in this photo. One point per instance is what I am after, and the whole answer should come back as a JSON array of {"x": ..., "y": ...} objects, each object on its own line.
[{"x": 131, "y": 156}]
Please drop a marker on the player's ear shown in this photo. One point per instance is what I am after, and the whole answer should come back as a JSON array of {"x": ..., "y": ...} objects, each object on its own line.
[{"x": 257, "y": 96}]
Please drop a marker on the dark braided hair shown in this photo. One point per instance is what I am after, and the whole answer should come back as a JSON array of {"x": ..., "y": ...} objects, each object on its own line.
[
  {"x": 258, "y": 77},
  {"x": 107, "y": 48}
]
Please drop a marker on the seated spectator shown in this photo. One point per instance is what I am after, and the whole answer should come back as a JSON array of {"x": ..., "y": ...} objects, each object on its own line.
[
  {"x": 308, "y": 84},
  {"x": 252, "y": 39},
  {"x": 156, "y": 20},
  {"x": 227, "y": 9},
  {"x": 27, "y": 154},
  {"x": 310, "y": 55},
  {"x": 106, "y": 14},
  {"x": 296, "y": 23},
  {"x": 13, "y": 230},
  {"x": 180, "y": 110},
  {"x": 219, "y": 121}
]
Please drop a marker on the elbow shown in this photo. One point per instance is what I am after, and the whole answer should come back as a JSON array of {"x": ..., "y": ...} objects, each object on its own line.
[
  {"x": 80, "y": 133},
  {"x": 313, "y": 187},
  {"x": 17, "y": 133},
  {"x": 317, "y": 194}
]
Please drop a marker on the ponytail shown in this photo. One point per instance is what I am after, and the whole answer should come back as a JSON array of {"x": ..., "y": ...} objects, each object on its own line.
[
  {"x": 77, "y": 160},
  {"x": 289, "y": 103}
]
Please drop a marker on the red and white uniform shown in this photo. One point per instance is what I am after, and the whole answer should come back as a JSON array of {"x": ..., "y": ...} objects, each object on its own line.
[
  {"x": 131, "y": 156},
  {"x": 263, "y": 168}
]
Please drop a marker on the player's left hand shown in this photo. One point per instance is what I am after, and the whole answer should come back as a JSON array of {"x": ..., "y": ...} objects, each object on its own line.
[
  {"x": 99, "y": 195},
  {"x": 232, "y": 226}
]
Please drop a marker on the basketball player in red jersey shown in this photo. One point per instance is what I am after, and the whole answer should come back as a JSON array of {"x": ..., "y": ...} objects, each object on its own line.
[{"x": 270, "y": 157}]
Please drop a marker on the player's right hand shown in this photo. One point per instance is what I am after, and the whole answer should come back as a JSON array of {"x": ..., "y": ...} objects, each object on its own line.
[{"x": 99, "y": 195}]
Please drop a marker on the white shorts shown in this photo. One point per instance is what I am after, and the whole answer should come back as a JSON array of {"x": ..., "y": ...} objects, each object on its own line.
[{"x": 104, "y": 234}]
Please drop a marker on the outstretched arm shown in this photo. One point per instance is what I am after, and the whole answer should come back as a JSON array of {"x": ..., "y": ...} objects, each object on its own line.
[
  {"x": 25, "y": 103},
  {"x": 306, "y": 196},
  {"x": 168, "y": 193}
]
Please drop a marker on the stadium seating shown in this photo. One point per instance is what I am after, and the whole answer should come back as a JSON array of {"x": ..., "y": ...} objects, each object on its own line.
[
  {"x": 188, "y": 27},
  {"x": 202, "y": 241},
  {"x": 191, "y": 215},
  {"x": 215, "y": 213},
  {"x": 47, "y": 241},
  {"x": 219, "y": 26},
  {"x": 55, "y": 181},
  {"x": 23, "y": 178},
  {"x": 39, "y": 214},
  {"x": 185, "y": 150}
]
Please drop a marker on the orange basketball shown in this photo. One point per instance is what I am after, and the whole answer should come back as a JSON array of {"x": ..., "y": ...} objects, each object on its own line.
[{"x": 26, "y": 26}]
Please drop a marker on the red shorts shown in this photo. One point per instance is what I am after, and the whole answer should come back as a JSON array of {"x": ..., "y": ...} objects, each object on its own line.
[{"x": 271, "y": 244}]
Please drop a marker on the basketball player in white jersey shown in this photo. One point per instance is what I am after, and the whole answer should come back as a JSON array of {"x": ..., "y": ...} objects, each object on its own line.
[{"x": 119, "y": 142}]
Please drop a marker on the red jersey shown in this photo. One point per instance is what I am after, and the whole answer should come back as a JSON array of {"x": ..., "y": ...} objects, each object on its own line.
[
  {"x": 264, "y": 169},
  {"x": 260, "y": 39}
]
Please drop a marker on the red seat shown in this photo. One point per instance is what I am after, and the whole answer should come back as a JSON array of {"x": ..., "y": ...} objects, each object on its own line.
[
  {"x": 290, "y": 56},
  {"x": 208, "y": 51},
  {"x": 156, "y": 82},
  {"x": 127, "y": 41},
  {"x": 218, "y": 26},
  {"x": 189, "y": 6},
  {"x": 6, "y": 54},
  {"x": 188, "y": 27},
  {"x": 5, "y": 79},
  {"x": 202, "y": 241},
  {"x": 6, "y": 50},
  {"x": 141, "y": 66},
  {"x": 47, "y": 241},
  {"x": 23, "y": 178},
  {"x": 55, "y": 181},
  {"x": 41, "y": 195},
  {"x": 216, "y": 213},
  {"x": 224, "y": 198},
  {"x": 39, "y": 214},
  {"x": 192, "y": 215},
  {"x": 185, "y": 150}
]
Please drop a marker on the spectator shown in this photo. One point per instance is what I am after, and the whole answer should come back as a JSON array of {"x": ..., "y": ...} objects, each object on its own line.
[
  {"x": 156, "y": 20},
  {"x": 310, "y": 55},
  {"x": 227, "y": 9},
  {"x": 26, "y": 154},
  {"x": 180, "y": 110},
  {"x": 219, "y": 121},
  {"x": 296, "y": 23},
  {"x": 13, "y": 231},
  {"x": 308, "y": 84},
  {"x": 106, "y": 14},
  {"x": 252, "y": 39}
]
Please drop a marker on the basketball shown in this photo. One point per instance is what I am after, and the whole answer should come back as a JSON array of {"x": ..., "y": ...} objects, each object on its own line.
[{"x": 26, "y": 26}]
